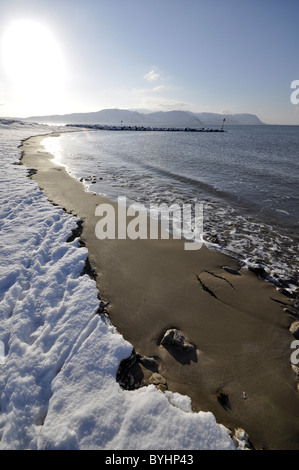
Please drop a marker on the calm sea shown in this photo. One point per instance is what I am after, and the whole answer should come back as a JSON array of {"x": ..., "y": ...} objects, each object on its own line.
[{"x": 247, "y": 178}]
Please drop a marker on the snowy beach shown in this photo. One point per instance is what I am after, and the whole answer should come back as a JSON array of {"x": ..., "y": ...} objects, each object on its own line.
[
  {"x": 58, "y": 377},
  {"x": 241, "y": 337}
]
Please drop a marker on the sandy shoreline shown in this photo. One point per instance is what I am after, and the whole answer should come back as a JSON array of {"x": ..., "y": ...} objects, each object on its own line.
[{"x": 241, "y": 334}]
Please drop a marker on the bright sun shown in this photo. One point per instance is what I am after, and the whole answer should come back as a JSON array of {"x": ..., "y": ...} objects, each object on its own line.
[{"x": 33, "y": 62}]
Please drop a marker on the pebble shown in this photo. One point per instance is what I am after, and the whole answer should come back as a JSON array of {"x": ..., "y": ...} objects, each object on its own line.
[
  {"x": 295, "y": 369},
  {"x": 158, "y": 380}
]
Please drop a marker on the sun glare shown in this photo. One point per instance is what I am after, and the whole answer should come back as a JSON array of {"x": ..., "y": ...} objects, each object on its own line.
[{"x": 32, "y": 61}]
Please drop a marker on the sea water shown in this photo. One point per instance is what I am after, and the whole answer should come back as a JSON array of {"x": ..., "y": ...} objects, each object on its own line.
[{"x": 246, "y": 178}]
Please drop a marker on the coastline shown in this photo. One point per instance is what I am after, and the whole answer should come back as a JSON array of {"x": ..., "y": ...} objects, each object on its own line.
[{"x": 242, "y": 337}]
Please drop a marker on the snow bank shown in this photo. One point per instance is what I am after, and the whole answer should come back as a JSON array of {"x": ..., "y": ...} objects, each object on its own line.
[{"x": 57, "y": 379}]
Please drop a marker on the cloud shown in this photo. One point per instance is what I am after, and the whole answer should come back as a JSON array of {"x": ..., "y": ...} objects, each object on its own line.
[
  {"x": 156, "y": 89},
  {"x": 152, "y": 75}
]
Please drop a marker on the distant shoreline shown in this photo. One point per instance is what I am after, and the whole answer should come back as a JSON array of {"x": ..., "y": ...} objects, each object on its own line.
[{"x": 241, "y": 333}]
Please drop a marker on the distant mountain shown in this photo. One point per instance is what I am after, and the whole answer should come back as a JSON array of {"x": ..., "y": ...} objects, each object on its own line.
[
  {"x": 173, "y": 118},
  {"x": 214, "y": 119},
  {"x": 105, "y": 116},
  {"x": 161, "y": 118}
]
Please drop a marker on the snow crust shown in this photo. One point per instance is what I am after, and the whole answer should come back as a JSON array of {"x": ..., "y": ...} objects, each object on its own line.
[{"x": 57, "y": 377}]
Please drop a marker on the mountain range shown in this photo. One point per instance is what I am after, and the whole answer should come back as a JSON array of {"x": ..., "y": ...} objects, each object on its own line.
[{"x": 160, "y": 118}]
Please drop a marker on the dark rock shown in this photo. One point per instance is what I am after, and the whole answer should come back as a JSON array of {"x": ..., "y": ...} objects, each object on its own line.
[
  {"x": 148, "y": 362},
  {"x": 174, "y": 338},
  {"x": 32, "y": 171},
  {"x": 129, "y": 374},
  {"x": 180, "y": 349}
]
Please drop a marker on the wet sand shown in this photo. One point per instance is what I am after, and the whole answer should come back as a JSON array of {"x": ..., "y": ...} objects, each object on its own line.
[{"x": 237, "y": 321}]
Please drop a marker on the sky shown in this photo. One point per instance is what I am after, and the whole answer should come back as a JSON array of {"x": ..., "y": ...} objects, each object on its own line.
[{"x": 229, "y": 56}]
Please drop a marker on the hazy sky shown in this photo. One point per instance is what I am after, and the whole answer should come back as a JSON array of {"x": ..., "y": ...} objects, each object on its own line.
[{"x": 230, "y": 56}]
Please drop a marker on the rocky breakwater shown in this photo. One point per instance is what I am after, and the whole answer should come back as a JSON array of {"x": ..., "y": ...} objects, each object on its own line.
[{"x": 144, "y": 128}]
